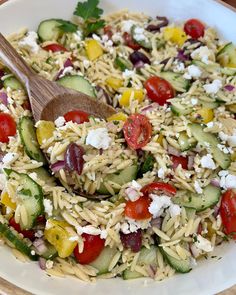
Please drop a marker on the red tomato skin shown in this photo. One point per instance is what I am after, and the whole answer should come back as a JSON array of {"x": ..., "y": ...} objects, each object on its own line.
[
  {"x": 138, "y": 210},
  {"x": 77, "y": 116},
  {"x": 183, "y": 161},
  {"x": 129, "y": 41},
  {"x": 194, "y": 28},
  {"x": 55, "y": 48},
  {"x": 228, "y": 212},
  {"x": 26, "y": 233},
  {"x": 162, "y": 187},
  {"x": 137, "y": 125},
  {"x": 93, "y": 246},
  {"x": 159, "y": 90},
  {"x": 7, "y": 127}
]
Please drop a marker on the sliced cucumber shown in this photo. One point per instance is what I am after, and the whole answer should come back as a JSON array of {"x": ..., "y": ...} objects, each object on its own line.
[
  {"x": 186, "y": 142},
  {"x": 44, "y": 175},
  {"x": 130, "y": 275},
  {"x": 228, "y": 71},
  {"x": 31, "y": 196},
  {"x": 209, "y": 198},
  {"x": 123, "y": 64},
  {"x": 19, "y": 244},
  {"x": 181, "y": 266},
  {"x": 50, "y": 253},
  {"x": 147, "y": 256},
  {"x": 222, "y": 159},
  {"x": 180, "y": 110},
  {"x": 78, "y": 83},
  {"x": 227, "y": 55},
  {"x": 29, "y": 140},
  {"x": 209, "y": 105},
  {"x": 12, "y": 83},
  {"x": 121, "y": 178},
  {"x": 176, "y": 80},
  {"x": 212, "y": 67},
  {"x": 48, "y": 30},
  {"x": 104, "y": 259}
]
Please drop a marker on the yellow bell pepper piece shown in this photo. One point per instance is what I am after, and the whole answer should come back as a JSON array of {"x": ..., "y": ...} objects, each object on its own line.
[
  {"x": 231, "y": 65},
  {"x": 233, "y": 156},
  {"x": 160, "y": 139},
  {"x": 44, "y": 131},
  {"x": 137, "y": 94},
  {"x": 207, "y": 115},
  {"x": 175, "y": 35},
  {"x": 7, "y": 201},
  {"x": 118, "y": 117},
  {"x": 114, "y": 83},
  {"x": 56, "y": 234},
  {"x": 93, "y": 49}
]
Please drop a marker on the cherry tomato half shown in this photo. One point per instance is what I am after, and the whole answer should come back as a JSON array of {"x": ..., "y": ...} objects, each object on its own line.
[
  {"x": 228, "y": 212},
  {"x": 194, "y": 28},
  {"x": 26, "y": 233},
  {"x": 159, "y": 90},
  {"x": 7, "y": 127},
  {"x": 76, "y": 116},
  {"x": 108, "y": 31},
  {"x": 137, "y": 131},
  {"x": 138, "y": 209},
  {"x": 93, "y": 246},
  {"x": 55, "y": 48},
  {"x": 179, "y": 161},
  {"x": 159, "y": 188},
  {"x": 129, "y": 41}
]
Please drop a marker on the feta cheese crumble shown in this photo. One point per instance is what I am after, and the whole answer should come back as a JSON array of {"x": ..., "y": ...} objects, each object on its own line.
[
  {"x": 227, "y": 180},
  {"x": 133, "y": 191},
  {"x": 207, "y": 162},
  {"x": 194, "y": 101},
  {"x": 231, "y": 139},
  {"x": 48, "y": 206},
  {"x": 203, "y": 244},
  {"x": 98, "y": 138},
  {"x": 66, "y": 70},
  {"x": 86, "y": 63},
  {"x": 9, "y": 159},
  {"x": 161, "y": 173},
  {"x": 203, "y": 53},
  {"x": 159, "y": 203},
  {"x": 126, "y": 26},
  {"x": 131, "y": 226},
  {"x": 127, "y": 74},
  {"x": 91, "y": 230},
  {"x": 192, "y": 72},
  {"x": 197, "y": 187},
  {"x": 2, "y": 181},
  {"x": 30, "y": 41},
  {"x": 78, "y": 36},
  {"x": 213, "y": 87},
  {"x": 139, "y": 34},
  {"x": 60, "y": 121}
]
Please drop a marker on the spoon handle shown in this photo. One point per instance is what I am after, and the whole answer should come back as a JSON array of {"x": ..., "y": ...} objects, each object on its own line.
[{"x": 14, "y": 61}]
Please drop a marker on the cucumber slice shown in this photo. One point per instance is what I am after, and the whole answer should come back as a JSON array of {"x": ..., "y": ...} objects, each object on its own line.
[
  {"x": 123, "y": 64},
  {"x": 48, "y": 30},
  {"x": 180, "y": 110},
  {"x": 78, "y": 83},
  {"x": 222, "y": 159},
  {"x": 209, "y": 105},
  {"x": 228, "y": 71},
  {"x": 44, "y": 175},
  {"x": 212, "y": 67},
  {"x": 181, "y": 266},
  {"x": 176, "y": 80},
  {"x": 209, "y": 198},
  {"x": 12, "y": 83},
  {"x": 186, "y": 142},
  {"x": 227, "y": 55},
  {"x": 19, "y": 244},
  {"x": 122, "y": 177},
  {"x": 103, "y": 260},
  {"x": 50, "y": 253},
  {"x": 30, "y": 195},
  {"x": 130, "y": 275},
  {"x": 29, "y": 140},
  {"x": 147, "y": 256}
]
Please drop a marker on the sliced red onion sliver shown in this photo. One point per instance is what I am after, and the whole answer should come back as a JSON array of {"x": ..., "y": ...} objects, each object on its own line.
[
  {"x": 58, "y": 166},
  {"x": 3, "y": 98},
  {"x": 182, "y": 56},
  {"x": 216, "y": 211},
  {"x": 229, "y": 87},
  {"x": 149, "y": 108},
  {"x": 190, "y": 162},
  {"x": 42, "y": 263},
  {"x": 215, "y": 182},
  {"x": 139, "y": 65},
  {"x": 172, "y": 151},
  {"x": 68, "y": 63}
]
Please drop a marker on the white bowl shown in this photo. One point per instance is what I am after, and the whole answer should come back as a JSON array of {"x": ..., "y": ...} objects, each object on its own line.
[{"x": 210, "y": 276}]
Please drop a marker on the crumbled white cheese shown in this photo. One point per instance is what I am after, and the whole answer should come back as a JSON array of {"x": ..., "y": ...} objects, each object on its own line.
[
  {"x": 133, "y": 191},
  {"x": 74, "y": 238},
  {"x": 224, "y": 149},
  {"x": 179, "y": 67},
  {"x": 66, "y": 70},
  {"x": 139, "y": 34},
  {"x": 32, "y": 252},
  {"x": 48, "y": 206},
  {"x": 207, "y": 162},
  {"x": 86, "y": 63},
  {"x": 161, "y": 173},
  {"x": 3, "y": 108},
  {"x": 174, "y": 210},
  {"x": 49, "y": 264},
  {"x": 10, "y": 158},
  {"x": 203, "y": 244},
  {"x": 194, "y": 101},
  {"x": 210, "y": 124},
  {"x": 192, "y": 72},
  {"x": 103, "y": 234},
  {"x": 98, "y": 138},
  {"x": 30, "y": 41},
  {"x": 227, "y": 180},
  {"x": 131, "y": 226},
  {"x": 117, "y": 38},
  {"x": 91, "y": 230},
  {"x": 128, "y": 74},
  {"x": 2, "y": 181},
  {"x": 197, "y": 187},
  {"x": 159, "y": 203},
  {"x": 203, "y": 53},
  {"x": 96, "y": 37},
  {"x": 126, "y": 25},
  {"x": 33, "y": 175},
  {"x": 213, "y": 87},
  {"x": 60, "y": 121},
  {"x": 39, "y": 234},
  {"x": 231, "y": 139},
  {"x": 78, "y": 36}
]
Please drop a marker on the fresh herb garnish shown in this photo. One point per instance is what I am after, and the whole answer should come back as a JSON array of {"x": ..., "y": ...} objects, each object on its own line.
[
  {"x": 67, "y": 26},
  {"x": 90, "y": 13}
]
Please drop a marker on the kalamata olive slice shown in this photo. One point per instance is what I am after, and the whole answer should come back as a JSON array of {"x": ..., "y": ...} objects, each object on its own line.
[
  {"x": 138, "y": 58},
  {"x": 156, "y": 25},
  {"x": 132, "y": 240},
  {"x": 74, "y": 158}
]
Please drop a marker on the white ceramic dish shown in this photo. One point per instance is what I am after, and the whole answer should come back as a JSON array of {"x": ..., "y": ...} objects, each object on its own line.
[{"x": 210, "y": 276}]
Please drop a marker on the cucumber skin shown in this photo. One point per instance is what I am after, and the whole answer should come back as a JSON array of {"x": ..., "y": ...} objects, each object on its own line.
[
  {"x": 131, "y": 275},
  {"x": 41, "y": 28},
  {"x": 13, "y": 83},
  {"x": 106, "y": 256}
]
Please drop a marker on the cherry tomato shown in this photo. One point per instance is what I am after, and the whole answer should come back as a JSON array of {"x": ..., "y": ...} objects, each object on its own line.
[
  {"x": 26, "y": 233},
  {"x": 228, "y": 212},
  {"x": 138, "y": 209},
  {"x": 179, "y": 161},
  {"x": 129, "y": 41},
  {"x": 137, "y": 131},
  {"x": 159, "y": 90},
  {"x": 54, "y": 48},
  {"x": 194, "y": 28},
  {"x": 158, "y": 187},
  {"x": 7, "y": 127},
  {"x": 108, "y": 31},
  {"x": 93, "y": 246},
  {"x": 76, "y": 116}
]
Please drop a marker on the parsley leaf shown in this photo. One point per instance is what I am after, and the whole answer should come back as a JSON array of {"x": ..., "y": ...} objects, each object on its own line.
[
  {"x": 93, "y": 27},
  {"x": 67, "y": 26},
  {"x": 88, "y": 10}
]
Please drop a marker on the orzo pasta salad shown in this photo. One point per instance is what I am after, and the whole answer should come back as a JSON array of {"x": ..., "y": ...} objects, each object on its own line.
[{"x": 147, "y": 192}]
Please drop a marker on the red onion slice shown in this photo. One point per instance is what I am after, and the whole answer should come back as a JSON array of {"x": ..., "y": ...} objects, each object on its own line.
[
  {"x": 229, "y": 87},
  {"x": 149, "y": 108},
  {"x": 40, "y": 246},
  {"x": 190, "y": 162},
  {"x": 182, "y": 56},
  {"x": 58, "y": 166},
  {"x": 3, "y": 98},
  {"x": 215, "y": 182},
  {"x": 67, "y": 63},
  {"x": 42, "y": 263},
  {"x": 156, "y": 222},
  {"x": 216, "y": 210},
  {"x": 173, "y": 151}
]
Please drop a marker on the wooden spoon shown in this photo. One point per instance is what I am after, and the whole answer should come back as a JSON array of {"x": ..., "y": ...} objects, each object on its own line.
[{"x": 48, "y": 99}]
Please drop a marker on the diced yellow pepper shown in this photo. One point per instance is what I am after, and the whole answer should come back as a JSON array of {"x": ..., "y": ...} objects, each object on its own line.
[
  {"x": 7, "y": 201},
  {"x": 44, "y": 131},
  {"x": 137, "y": 94},
  {"x": 56, "y": 233},
  {"x": 114, "y": 83},
  {"x": 231, "y": 65},
  {"x": 93, "y": 49},
  {"x": 118, "y": 117},
  {"x": 233, "y": 156},
  {"x": 175, "y": 35},
  {"x": 207, "y": 115},
  {"x": 160, "y": 139}
]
